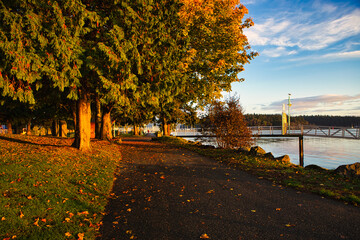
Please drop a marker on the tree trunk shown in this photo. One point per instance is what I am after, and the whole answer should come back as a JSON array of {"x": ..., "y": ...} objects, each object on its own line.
[
  {"x": 73, "y": 108},
  {"x": 63, "y": 128},
  {"x": 9, "y": 127},
  {"x": 169, "y": 129},
  {"x": 106, "y": 124},
  {"x": 83, "y": 122},
  {"x": 136, "y": 130},
  {"x": 55, "y": 128},
  {"x": 165, "y": 127},
  {"x": 98, "y": 117},
  {"x": 18, "y": 128},
  {"x": 28, "y": 127}
]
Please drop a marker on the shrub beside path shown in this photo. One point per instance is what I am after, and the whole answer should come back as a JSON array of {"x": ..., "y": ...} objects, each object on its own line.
[{"x": 164, "y": 192}]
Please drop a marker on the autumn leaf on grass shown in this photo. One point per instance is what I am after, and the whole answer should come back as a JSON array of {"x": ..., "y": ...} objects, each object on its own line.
[
  {"x": 83, "y": 213},
  {"x": 36, "y": 223},
  {"x": 67, "y": 234},
  {"x": 21, "y": 214},
  {"x": 81, "y": 236}
]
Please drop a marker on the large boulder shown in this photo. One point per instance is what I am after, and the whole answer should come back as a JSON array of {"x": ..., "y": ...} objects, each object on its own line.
[
  {"x": 315, "y": 167},
  {"x": 284, "y": 159},
  {"x": 243, "y": 149},
  {"x": 257, "y": 150},
  {"x": 269, "y": 155},
  {"x": 349, "y": 170}
]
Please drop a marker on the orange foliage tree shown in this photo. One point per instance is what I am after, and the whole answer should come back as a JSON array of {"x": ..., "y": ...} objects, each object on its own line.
[{"x": 227, "y": 123}]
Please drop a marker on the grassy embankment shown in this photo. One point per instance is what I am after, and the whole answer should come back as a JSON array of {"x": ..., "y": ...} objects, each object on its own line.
[
  {"x": 49, "y": 190},
  {"x": 325, "y": 183}
]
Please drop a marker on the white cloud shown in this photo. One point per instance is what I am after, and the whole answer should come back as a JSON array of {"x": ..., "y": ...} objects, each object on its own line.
[
  {"x": 324, "y": 7},
  {"x": 329, "y": 57},
  {"x": 322, "y": 104},
  {"x": 305, "y": 34},
  {"x": 277, "y": 52}
]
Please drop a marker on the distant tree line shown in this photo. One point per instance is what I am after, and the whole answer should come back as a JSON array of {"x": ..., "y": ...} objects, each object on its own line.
[{"x": 319, "y": 120}]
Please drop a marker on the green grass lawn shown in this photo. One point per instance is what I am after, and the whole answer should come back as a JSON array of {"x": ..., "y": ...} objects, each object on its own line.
[
  {"x": 49, "y": 190},
  {"x": 325, "y": 183}
]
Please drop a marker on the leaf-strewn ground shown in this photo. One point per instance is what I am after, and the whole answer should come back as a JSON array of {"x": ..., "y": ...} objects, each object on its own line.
[{"x": 49, "y": 190}]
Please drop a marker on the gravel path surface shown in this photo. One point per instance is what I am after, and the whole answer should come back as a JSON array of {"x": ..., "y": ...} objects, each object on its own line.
[{"x": 163, "y": 192}]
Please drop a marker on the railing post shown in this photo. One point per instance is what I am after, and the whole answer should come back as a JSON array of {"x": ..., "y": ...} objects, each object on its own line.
[{"x": 301, "y": 150}]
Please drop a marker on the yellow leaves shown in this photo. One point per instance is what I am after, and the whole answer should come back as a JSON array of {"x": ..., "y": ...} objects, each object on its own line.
[
  {"x": 83, "y": 213},
  {"x": 129, "y": 232},
  {"x": 253, "y": 211},
  {"x": 21, "y": 214},
  {"x": 36, "y": 223},
  {"x": 3, "y": 219},
  {"x": 204, "y": 236},
  {"x": 67, "y": 220},
  {"x": 210, "y": 191},
  {"x": 80, "y": 236},
  {"x": 289, "y": 225}
]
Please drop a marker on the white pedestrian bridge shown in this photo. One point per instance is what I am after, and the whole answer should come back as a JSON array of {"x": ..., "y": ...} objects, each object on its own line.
[{"x": 305, "y": 130}]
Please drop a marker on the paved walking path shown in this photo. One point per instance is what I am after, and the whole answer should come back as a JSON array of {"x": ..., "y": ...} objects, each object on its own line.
[{"x": 164, "y": 192}]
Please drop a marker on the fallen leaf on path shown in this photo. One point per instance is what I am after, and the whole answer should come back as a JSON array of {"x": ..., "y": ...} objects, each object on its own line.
[
  {"x": 204, "y": 236},
  {"x": 278, "y": 209},
  {"x": 253, "y": 210}
]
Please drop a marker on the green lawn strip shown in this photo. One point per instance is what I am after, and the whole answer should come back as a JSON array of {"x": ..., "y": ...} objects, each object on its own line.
[
  {"x": 325, "y": 183},
  {"x": 53, "y": 191}
]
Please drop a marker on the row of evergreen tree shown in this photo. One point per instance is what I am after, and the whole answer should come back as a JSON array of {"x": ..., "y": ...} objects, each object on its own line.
[{"x": 122, "y": 60}]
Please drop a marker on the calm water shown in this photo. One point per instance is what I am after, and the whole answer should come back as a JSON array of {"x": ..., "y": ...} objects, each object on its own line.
[{"x": 325, "y": 152}]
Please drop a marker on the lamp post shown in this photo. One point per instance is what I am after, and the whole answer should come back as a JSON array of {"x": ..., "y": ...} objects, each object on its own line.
[{"x": 289, "y": 105}]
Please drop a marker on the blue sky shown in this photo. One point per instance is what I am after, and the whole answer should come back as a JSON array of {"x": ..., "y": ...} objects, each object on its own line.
[{"x": 310, "y": 49}]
